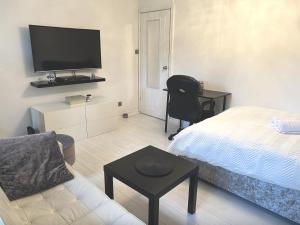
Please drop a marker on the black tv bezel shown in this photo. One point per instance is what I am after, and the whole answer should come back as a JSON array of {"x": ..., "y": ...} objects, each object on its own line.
[{"x": 68, "y": 69}]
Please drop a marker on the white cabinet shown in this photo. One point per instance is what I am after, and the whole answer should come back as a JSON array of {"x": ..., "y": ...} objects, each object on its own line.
[
  {"x": 80, "y": 121},
  {"x": 101, "y": 115}
]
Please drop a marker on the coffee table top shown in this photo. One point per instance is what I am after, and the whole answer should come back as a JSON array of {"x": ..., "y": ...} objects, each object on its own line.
[{"x": 124, "y": 170}]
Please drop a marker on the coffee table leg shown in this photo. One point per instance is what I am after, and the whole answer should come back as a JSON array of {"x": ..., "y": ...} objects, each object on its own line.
[
  {"x": 109, "y": 185},
  {"x": 153, "y": 214},
  {"x": 193, "y": 192}
]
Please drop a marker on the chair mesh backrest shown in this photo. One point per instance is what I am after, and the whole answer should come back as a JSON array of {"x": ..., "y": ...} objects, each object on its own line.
[{"x": 184, "y": 102}]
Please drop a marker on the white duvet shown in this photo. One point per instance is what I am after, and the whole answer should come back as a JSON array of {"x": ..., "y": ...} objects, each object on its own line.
[{"x": 243, "y": 141}]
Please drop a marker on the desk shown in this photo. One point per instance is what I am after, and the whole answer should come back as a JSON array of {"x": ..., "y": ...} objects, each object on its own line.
[{"x": 208, "y": 94}]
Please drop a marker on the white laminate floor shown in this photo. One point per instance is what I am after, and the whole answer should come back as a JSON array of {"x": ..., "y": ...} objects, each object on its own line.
[{"x": 214, "y": 206}]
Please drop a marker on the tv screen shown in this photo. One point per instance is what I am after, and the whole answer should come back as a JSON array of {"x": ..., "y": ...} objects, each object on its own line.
[{"x": 56, "y": 48}]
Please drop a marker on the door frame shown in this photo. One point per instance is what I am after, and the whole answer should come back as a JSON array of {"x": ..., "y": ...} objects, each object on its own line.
[{"x": 170, "y": 54}]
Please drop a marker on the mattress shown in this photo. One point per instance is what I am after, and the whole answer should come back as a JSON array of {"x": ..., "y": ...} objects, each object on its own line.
[
  {"x": 76, "y": 202},
  {"x": 243, "y": 141}
]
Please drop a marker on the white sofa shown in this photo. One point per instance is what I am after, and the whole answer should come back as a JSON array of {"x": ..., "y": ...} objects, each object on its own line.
[{"x": 77, "y": 202}]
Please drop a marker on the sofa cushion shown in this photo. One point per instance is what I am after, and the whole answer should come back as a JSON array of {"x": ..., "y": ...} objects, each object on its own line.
[
  {"x": 30, "y": 164},
  {"x": 76, "y": 202}
]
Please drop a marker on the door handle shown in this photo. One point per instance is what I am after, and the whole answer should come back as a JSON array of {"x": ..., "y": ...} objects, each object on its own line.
[{"x": 165, "y": 67}]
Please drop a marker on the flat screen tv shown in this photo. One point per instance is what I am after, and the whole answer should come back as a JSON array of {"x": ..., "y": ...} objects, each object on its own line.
[{"x": 57, "y": 48}]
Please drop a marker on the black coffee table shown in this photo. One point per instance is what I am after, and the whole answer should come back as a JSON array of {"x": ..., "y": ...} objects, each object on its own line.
[{"x": 152, "y": 187}]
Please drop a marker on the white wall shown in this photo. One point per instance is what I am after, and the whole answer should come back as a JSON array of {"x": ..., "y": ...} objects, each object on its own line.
[
  {"x": 248, "y": 47},
  {"x": 118, "y": 22},
  {"x": 152, "y": 5}
]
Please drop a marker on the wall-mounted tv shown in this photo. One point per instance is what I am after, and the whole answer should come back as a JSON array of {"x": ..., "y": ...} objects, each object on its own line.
[{"x": 57, "y": 48}]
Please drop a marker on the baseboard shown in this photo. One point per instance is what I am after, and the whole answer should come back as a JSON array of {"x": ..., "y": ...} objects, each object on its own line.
[
  {"x": 131, "y": 112},
  {"x": 134, "y": 113}
]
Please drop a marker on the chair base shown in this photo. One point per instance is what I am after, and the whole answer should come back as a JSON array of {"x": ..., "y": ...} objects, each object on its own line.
[
  {"x": 206, "y": 114},
  {"x": 171, "y": 137}
]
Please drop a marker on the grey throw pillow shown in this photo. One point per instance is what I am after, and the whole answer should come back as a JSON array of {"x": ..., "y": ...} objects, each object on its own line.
[{"x": 31, "y": 164}]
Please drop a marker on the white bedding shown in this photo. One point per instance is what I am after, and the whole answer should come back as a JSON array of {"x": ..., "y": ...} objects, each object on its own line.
[{"x": 243, "y": 141}]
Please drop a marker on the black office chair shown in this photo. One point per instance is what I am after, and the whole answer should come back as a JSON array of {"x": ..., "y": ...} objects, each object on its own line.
[{"x": 184, "y": 103}]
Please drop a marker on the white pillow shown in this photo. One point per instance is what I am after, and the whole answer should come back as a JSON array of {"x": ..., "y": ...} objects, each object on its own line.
[{"x": 286, "y": 126}]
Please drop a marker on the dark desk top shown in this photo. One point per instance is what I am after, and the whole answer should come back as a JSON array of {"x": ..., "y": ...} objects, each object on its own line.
[
  {"x": 210, "y": 94},
  {"x": 125, "y": 171}
]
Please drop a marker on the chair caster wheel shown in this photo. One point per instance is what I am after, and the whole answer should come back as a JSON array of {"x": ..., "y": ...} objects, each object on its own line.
[{"x": 170, "y": 137}]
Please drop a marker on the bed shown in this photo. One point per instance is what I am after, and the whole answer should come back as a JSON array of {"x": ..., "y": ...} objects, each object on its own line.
[{"x": 239, "y": 151}]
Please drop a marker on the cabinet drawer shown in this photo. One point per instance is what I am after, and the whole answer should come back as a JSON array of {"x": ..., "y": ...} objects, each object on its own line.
[
  {"x": 64, "y": 118},
  {"x": 98, "y": 127},
  {"x": 100, "y": 111}
]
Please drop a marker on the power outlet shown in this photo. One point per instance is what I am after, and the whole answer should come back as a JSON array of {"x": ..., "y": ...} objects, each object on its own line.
[{"x": 120, "y": 104}]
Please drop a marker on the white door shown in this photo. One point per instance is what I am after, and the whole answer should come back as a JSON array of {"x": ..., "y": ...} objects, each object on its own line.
[{"x": 154, "y": 62}]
